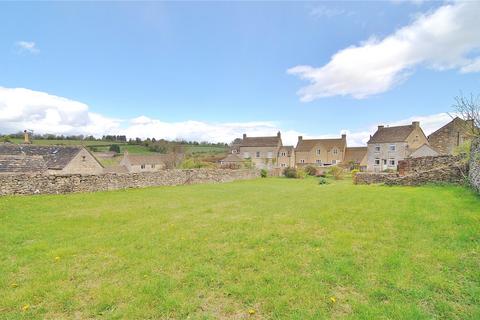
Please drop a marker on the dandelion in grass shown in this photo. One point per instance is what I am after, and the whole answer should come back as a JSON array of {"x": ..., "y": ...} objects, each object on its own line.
[
  {"x": 333, "y": 300},
  {"x": 14, "y": 285},
  {"x": 251, "y": 312},
  {"x": 57, "y": 258},
  {"x": 26, "y": 307}
]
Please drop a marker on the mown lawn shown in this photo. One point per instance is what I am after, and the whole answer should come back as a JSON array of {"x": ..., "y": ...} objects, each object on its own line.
[{"x": 275, "y": 248}]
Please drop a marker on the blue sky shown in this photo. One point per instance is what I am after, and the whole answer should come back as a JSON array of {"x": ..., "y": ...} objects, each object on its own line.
[{"x": 210, "y": 70}]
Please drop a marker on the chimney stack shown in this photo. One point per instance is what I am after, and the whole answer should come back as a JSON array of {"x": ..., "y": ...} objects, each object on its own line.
[
  {"x": 26, "y": 138},
  {"x": 416, "y": 124},
  {"x": 380, "y": 127},
  {"x": 344, "y": 136},
  {"x": 300, "y": 138},
  {"x": 244, "y": 135},
  {"x": 279, "y": 134}
]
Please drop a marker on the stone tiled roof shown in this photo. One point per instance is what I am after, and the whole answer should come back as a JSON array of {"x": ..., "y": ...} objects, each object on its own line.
[
  {"x": 55, "y": 157},
  {"x": 287, "y": 148},
  {"x": 356, "y": 154},
  {"x": 115, "y": 169},
  {"x": 261, "y": 141},
  {"x": 22, "y": 164},
  {"x": 392, "y": 134},
  {"x": 136, "y": 159},
  {"x": 464, "y": 125},
  {"x": 232, "y": 158},
  {"x": 306, "y": 145}
]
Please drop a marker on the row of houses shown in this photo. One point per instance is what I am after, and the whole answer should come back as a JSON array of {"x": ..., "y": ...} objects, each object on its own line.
[{"x": 385, "y": 148}]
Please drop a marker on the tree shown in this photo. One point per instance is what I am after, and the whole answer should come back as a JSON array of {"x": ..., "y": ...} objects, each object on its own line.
[
  {"x": 115, "y": 148},
  {"x": 468, "y": 108}
]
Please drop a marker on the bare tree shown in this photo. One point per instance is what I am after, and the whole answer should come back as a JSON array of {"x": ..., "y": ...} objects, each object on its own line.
[{"x": 468, "y": 108}]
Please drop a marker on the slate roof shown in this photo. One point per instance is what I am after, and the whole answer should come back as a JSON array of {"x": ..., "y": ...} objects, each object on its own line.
[
  {"x": 261, "y": 141},
  {"x": 22, "y": 164},
  {"x": 232, "y": 158},
  {"x": 356, "y": 154},
  {"x": 306, "y": 145},
  {"x": 392, "y": 134},
  {"x": 55, "y": 157}
]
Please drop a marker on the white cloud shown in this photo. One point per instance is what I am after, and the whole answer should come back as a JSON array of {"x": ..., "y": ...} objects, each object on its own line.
[
  {"x": 327, "y": 12},
  {"x": 444, "y": 39},
  {"x": 27, "y": 46}
]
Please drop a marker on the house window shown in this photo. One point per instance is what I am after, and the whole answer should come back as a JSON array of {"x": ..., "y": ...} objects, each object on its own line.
[
  {"x": 83, "y": 158},
  {"x": 283, "y": 165},
  {"x": 257, "y": 154},
  {"x": 270, "y": 155},
  {"x": 234, "y": 151},
  {"x": 152, "y": 166},
  {"x": 302, "y": 161},
  {"x": 142, "y": 166},
  {"x": 384, "y": 161},
  {"x": 391, "y": 162},
  {"x": 318, "y": 152},
  {"x": 283, "y": 154},
  {"x": 318, "y": 162},
  {"x": 334, "y": 161},
  {"x": 246, "y": 155},
  {"x": 335, "y": 151},
  {"x": 392, "y": 147},
  {"x": 377, "y": 149},
  {"x": 377, "y": 161}
]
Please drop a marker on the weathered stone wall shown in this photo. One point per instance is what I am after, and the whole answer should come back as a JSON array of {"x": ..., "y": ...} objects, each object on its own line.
[
  {"x": 474, "y": 171},
  {"x": 418, "y": 171},
  {"x": 413, "y": 165},
  {"x": 373, "y": 177},
  {"x": 53, "y": 184}
]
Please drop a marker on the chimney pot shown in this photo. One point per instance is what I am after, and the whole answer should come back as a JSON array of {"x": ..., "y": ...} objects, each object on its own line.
[
  {"x": 278, "y": 134},
  {"x": 244, "y": 135},
  {"x": 300, "y": 138}
]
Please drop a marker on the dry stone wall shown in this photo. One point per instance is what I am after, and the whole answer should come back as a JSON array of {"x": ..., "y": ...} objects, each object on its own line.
[
  {"x": 373, "y": 177},
  {"x": 474, "y": 171},
  {"x": 54, "y": 184}
]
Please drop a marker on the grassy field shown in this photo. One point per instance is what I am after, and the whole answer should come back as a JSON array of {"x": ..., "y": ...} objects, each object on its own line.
[{"x": 265, "y": 249}]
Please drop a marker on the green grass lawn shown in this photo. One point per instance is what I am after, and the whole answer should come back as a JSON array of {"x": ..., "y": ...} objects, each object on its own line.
[{"x": 283, "y": 249}]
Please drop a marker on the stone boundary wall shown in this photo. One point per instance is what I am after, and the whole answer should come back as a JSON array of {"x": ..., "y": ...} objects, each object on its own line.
[
  {"x": 413, "y": 165},
  {"x": 11, "y": 184},
  {"x": 474, "y": 171},
  {"x": 418, "y": 171}
]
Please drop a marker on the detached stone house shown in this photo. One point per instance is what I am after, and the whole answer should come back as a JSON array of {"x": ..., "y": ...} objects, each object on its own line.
[
  {"x": 320, "y": 152},
  {"x": 263, "y": 151},
  {"x": 446, "y": 139},
  {"x": 147, "y": 163},
  {"x": 391, "y": 144},
  {"x": 57, "y": 160}
]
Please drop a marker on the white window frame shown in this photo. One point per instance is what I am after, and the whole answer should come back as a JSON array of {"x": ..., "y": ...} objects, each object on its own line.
[
  {"x": 257, "y": 154},
  {"x": 385, "y": 162},
  {"x": 334, "y": 161},
  {"x": 318, "y": 152},
  {"x": 283, "y": 154},
  {"x": 283, "y": 165},
  {"x": 318, "y": 161},
  {"x": 392, "y": 147},
  {"x": 335, "y": 151},
  {"x": 390, "y": 162},
  {"x": 270, "y": 155},
  {"x": 302, "y": 160},
  {"x": 377, "y": 161},
  {"x": 377, "y": 148}
]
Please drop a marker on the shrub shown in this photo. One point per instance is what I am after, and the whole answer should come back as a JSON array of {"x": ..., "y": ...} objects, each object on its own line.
[
  {"x": 311, "y": 170},
  {"x": 290, "y": 173},
  {"x": 191, "y": 163},
  {"x": 301, "y": 173},
  {"x": 354, "y": 173},
  {"x": 263, "y": 173},
  {"x": 337, "y": 173},
  {"x": 114, "y": 148},
  {"x": 322, "y": 181}
]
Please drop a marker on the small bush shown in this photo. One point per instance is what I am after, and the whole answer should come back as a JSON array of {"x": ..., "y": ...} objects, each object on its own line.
[
  {"x": 337, "y": 173},
  {"x": 290, "y": 173},
  {"x": 301, "y": 173},
  {"x": 322, "y": 181},
  {"x": 263, "y": 173},
  {"x": 192, "y": 163},
  {"x": 114, "y": 148},
  {"x": 311, "y": 170}
]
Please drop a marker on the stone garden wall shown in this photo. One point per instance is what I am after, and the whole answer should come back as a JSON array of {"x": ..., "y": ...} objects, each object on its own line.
[
  {"x": 54, "y": 184},
  {"x": 474, "y": 171},
  {"x": 373, "y": 177}
]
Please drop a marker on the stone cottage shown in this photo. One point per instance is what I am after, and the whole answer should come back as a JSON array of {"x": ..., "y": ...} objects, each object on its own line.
[
  {"x": 57, "y": 160},
  {"x": 391, "y": 144},
  {"x": 232, "y": 160},
  {"x": 263, "y": 151},
  {"x": 147, "y": 163},
  {"x": 446, "y": 139},
  {"x": 320, "y": 152},
  {"x": 356, "y": 157}
]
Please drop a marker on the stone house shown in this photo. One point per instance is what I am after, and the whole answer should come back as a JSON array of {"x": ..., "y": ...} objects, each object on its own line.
[
  {"x": 446, "y": 139},
  {"x": 263, "y": 151},
  {"x": 56, "y": 159},
  {"x": 391, "y": 144},
  {"x": 232, "y": 161},
  {"x": 286, "y": 157},
  {"x": 424, "y": 151},
  {"x": 356, "y": 157},
  {"x": 147, "y": 163},
  {"x": 320, "y": 152}
]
